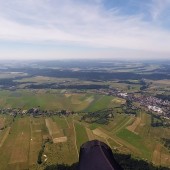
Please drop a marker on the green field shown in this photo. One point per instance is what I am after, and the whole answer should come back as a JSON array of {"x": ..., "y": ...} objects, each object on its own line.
[
  {"x": 136, "y": 141},
  {"x": 81, "y": 135},
  {"x": 55, "y": 101}
]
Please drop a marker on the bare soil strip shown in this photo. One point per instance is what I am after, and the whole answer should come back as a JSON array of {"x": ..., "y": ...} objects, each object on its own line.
[
  {"x": 98, "y": 132},
  {"x": 50, "y": 126},
  {"x": 56, "y": 133},
  {"x": 156, "y": 158},
  {"x": 68, "y": 95},
  {"x": 135, "y": 124},
  {"x": 60, "y": 139}
]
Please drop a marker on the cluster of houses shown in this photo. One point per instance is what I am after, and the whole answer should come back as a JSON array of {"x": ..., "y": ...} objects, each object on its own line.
[
  {"x": 154, "y": 101},
  {"x": 159, "y": 106},
  {"x": 154, "y": 104}
]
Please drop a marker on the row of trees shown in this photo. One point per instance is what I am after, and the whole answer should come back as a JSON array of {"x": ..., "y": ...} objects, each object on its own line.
[{"x": 57, "y": 86}]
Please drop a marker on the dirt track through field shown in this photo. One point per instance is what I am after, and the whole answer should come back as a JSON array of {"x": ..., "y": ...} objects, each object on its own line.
[
  {"x": 124, "y": 124},
  {"x": 66, "y": 121},
  {"x": 75, "y": 140},
  {"x": 100, "y": 133},
  {"x": 5, "y": 136},
  {"x": 90, "y": 134}
]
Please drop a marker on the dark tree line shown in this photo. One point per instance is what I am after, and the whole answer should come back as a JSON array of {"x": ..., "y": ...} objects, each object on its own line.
[
  {"x": 92, "y": 75},
  {"x": 100, "y": 116},
  {"x": 156, "y": 121},
  {"x": 163, "y": 96},
  {"x": 56, "y": 86}
]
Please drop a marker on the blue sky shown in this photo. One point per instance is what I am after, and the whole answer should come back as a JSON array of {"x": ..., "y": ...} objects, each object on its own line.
[{"x": 61, "y": 29}]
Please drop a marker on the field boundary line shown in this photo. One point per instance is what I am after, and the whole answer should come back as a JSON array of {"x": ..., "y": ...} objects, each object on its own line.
[
  {"x": 75, "y": 139},
  {"x": 124, "y": 125},
  {"x": 106, "y": 136},
  {"x": 89, "y": 134},
  {"x": 119, "y": 126},
  {"x": 66, "y": 121},
  {"x": 108, "y": 143}
]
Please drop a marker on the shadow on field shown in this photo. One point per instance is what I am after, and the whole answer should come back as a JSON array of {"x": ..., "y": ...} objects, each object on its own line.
[
  {"x": 126, "y": 162},
  {"x": 62, "y": 167}
]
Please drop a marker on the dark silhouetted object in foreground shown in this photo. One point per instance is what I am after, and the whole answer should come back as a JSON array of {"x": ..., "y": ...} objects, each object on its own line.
[{"x": 96, "y": 155}]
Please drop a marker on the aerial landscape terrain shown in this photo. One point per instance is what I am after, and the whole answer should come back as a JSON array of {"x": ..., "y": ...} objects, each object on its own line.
[
  {"x": 48, "y": 109},
  {"x": 84, "y": 84}
]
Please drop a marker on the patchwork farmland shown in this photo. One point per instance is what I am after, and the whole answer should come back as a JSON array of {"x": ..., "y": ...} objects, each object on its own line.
[
  {"x": 55, "y": 139},
  {"x": 23, "y": 140}
]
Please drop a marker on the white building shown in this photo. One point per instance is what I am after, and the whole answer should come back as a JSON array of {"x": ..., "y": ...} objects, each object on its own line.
[
  {"x": 155, "y": 109},
  {"x": 123, "y": 94}
]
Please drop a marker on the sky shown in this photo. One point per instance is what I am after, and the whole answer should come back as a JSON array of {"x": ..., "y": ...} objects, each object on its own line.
[{"x": 80, "y": 29}]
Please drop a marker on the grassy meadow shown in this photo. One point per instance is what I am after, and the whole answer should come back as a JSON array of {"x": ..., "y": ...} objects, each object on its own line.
[{"x": 56, "y": 100}]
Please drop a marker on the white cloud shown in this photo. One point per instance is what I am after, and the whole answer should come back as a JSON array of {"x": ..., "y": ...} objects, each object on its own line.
[
  {"x": 87, "y": 24},
  {"x": 158, "y": 7}
]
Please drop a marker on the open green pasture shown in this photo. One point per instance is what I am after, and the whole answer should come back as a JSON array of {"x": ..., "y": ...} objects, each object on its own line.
[
  {"x": 81, "y": 135},
  {"x": 137, "y": 141},
  {"x": 56, "y": 101}
]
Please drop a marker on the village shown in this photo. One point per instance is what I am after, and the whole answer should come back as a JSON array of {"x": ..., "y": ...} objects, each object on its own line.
[{"x": 158, "y": 106}]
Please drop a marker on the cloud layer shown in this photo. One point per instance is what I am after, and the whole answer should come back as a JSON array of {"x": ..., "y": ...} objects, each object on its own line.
[{"x": 90, "y": 23}]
